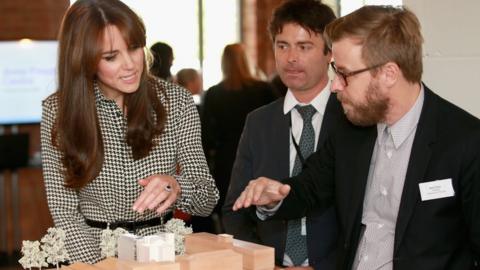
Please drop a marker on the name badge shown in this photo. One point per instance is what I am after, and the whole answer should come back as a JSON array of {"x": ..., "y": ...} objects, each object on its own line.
[{"x": 436, "y": 189}]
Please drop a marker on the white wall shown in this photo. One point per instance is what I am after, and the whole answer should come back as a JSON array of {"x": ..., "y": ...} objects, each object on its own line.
[{"x": 451, "y": 29}]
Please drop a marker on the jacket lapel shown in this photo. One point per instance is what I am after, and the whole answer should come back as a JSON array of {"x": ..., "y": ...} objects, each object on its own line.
[
  {"x": 425, "y": 136},
  {"x": 360, "y": 155},
  {"x": 329, "y": 118},
  {"x": 281, "y": 139}
]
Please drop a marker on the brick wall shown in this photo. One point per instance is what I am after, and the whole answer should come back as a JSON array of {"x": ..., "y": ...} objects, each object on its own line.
[
  {"x": 256, "y": 16},
  {"x": 34, "y": 19}
]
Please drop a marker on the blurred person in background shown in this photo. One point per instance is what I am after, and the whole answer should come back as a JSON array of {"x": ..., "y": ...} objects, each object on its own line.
[
  {"x": 162, "y": 60},
  {"x": 225, "y": 108},
  {"x": 192, "y": 80}
]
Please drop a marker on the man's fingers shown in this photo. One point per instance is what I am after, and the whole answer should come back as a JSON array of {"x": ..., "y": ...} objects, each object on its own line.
[
  {"x": 260, "y": 191},
  {"x": 257, "y": 191},
  {"x": 245, "y": 197},
  {"x": 239, "y": 202},
  {"x": 285, "y": 190}
]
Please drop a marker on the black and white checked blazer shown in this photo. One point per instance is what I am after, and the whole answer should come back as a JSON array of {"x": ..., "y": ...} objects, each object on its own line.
[{"x": 111, "y": 195}]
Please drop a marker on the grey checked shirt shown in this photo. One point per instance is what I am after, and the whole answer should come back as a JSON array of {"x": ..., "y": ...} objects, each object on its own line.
[{"x": 386, "y": 177}]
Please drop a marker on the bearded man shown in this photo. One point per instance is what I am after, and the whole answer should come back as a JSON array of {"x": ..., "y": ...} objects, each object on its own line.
[{"x": 403, "y": 172}]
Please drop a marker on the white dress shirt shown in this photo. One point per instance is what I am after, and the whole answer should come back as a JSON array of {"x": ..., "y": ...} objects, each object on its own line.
[{"x": 319, "y": 103}]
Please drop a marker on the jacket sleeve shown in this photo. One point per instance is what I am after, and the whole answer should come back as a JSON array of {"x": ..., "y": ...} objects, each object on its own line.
[
  {"x": 313, "y": 187},
  {"x": 470, "y": 189},
  {"x": 199, "y": 193},
  {"x": 81, "y": 244},
  {"x": 241, "y": 224}
]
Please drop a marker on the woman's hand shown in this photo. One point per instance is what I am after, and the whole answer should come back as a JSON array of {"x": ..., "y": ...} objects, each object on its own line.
[{"x": 160, "y": 192}]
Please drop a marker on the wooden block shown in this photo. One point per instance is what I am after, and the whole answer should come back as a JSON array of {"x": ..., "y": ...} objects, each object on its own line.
[
  {"x": 211, "y": 260},
  {"x": 202, "y": 242},
  {"x": 255, "y": 257},
  {"x": 225, "y": 238},
  {"x": 117, "y": 264},
  {"x": 108, "y": 263},
  {"x": 129, "y": 265}
]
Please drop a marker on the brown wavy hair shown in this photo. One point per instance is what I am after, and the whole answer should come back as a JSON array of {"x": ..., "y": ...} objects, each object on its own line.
[
  {"x": 77, "y": 131},
  {"x": 387, "y": 34}
]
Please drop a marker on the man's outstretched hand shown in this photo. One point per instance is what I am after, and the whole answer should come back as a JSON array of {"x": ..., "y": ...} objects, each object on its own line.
[{"x": 262, "y": 191}]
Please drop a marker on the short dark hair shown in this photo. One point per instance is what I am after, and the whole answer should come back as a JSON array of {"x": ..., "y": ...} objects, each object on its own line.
[
  {"x": 311, "y": 15},
  {"x": 186, "y": 75},
  {"x": 162, "y": 60}
]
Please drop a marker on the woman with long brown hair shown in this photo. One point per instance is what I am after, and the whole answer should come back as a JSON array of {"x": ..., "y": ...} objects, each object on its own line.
[{"x": 119, "y": 147}]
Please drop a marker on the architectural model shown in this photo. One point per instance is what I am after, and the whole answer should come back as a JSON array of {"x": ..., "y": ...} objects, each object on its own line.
[
  {"x": 153, "y": 248},
  {"x": 204, "y": 251}
]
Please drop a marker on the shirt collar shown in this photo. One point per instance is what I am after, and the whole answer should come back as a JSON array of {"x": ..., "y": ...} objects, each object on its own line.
[
  {"x": 403, "y": 127},
  {"x": 98, "y": 93},
  {"x": 99, "y": 96},
  {"x": 319, "y": 102}
]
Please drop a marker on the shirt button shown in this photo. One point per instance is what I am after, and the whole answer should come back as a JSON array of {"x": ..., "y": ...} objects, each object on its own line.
[
  {"x": 389, "y": 154},
  {"x": 365, "y": 258},
  {"x": 384, "y": 191},
  {"x": 379, "y": 226}
]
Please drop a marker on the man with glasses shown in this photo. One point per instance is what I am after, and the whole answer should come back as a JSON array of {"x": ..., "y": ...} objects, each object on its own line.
[
  {"x": 405, "y": 177},
  {"x": 278, "y": 137}
]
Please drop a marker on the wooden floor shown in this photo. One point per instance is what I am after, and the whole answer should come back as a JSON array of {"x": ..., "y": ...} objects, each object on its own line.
[{"x": 25, "y": 214}]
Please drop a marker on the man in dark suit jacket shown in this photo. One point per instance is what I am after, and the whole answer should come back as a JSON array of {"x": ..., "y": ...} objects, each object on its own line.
[
  {"x": 264, "y": 151},
  {"x": 429, "y": 216},
  {"x": 266, "y": 147}
]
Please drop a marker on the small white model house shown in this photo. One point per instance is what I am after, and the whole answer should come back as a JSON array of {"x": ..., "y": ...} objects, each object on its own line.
[
  {"x": 127, "y": 246},
  {"x": 154, "y": 248}
]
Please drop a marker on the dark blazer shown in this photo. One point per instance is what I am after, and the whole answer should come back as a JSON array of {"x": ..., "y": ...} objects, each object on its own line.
[
  {"x": 434, "y": 234},
  {"x": 264, "y": 151},
  {"x": 223, "y": 117}
]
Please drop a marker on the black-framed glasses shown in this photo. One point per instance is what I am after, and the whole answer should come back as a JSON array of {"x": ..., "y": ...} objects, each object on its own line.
[{"x": 344, "y": 75}]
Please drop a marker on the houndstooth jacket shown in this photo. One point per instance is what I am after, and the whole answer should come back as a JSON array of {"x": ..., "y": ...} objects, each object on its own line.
[{"x": 111, "y": 195}]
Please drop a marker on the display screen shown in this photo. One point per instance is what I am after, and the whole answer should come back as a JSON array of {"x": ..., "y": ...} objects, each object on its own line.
[{"x": 27, "y": 76}]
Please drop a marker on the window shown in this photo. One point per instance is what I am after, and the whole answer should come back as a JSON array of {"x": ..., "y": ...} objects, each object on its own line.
[
  {"x": 195, "y": 29},
  {"x": 347, "y": 6}
]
